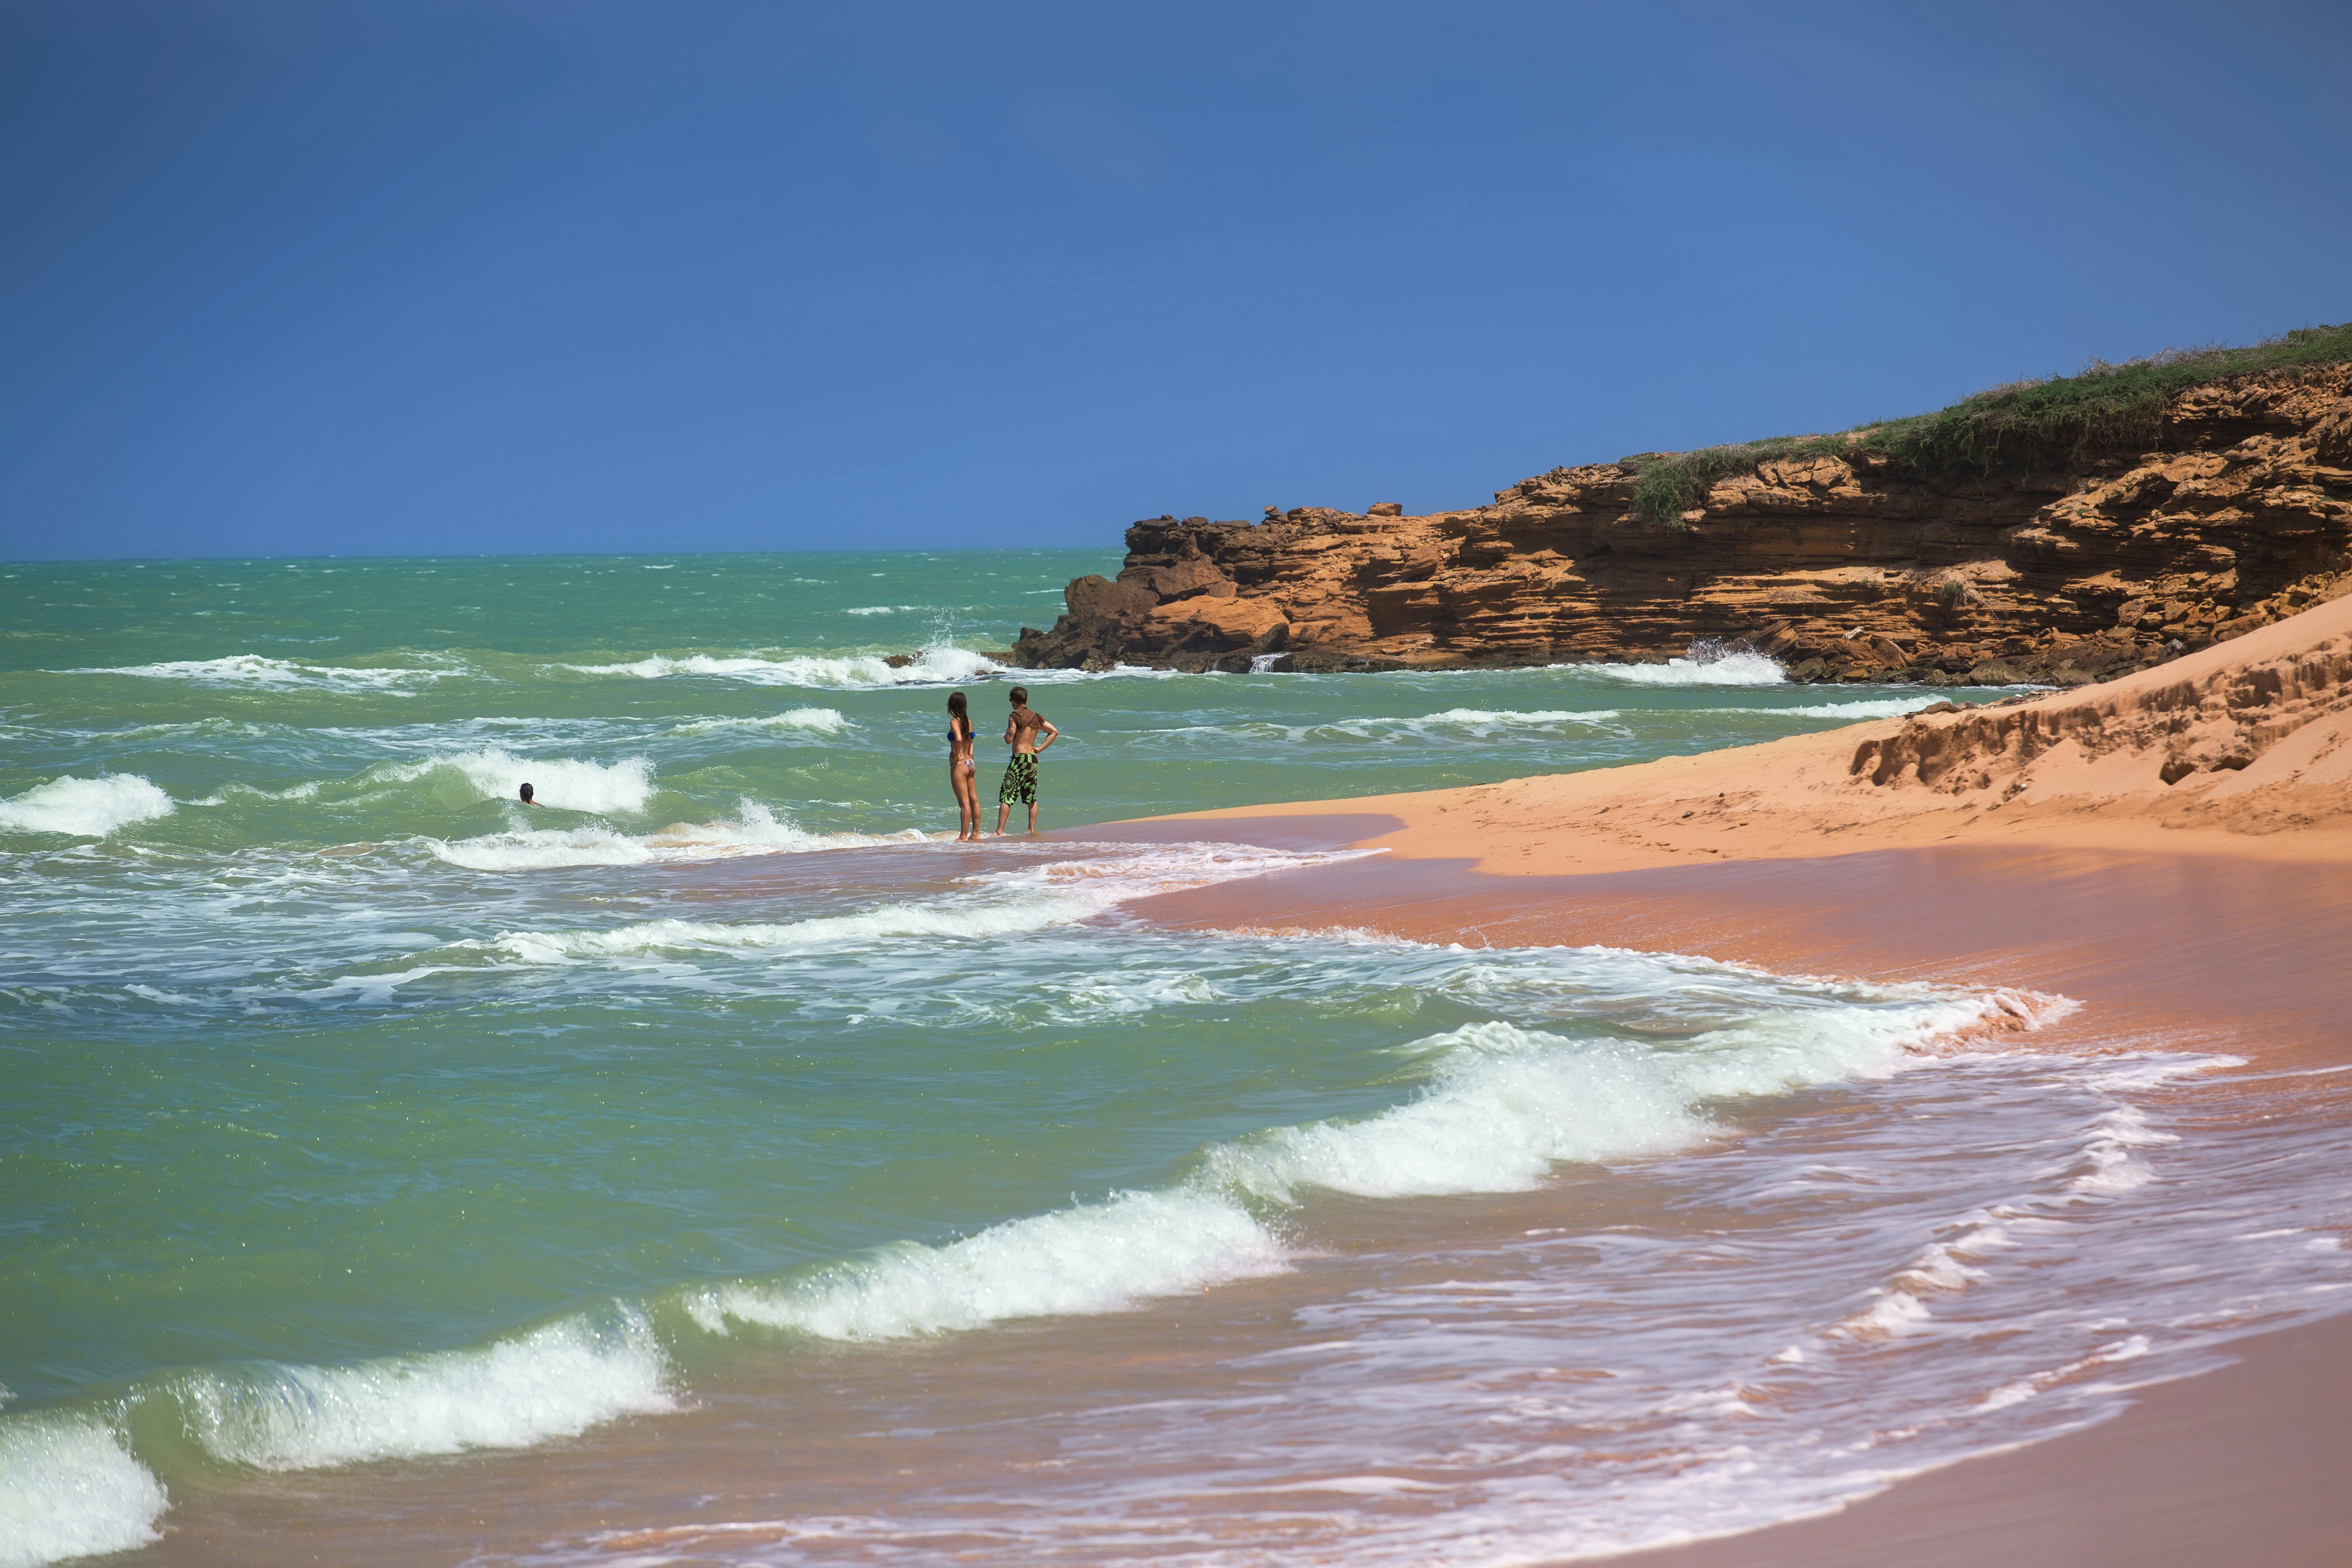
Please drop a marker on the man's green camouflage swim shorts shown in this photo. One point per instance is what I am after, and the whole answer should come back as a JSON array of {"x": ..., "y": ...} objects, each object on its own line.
[{"x": 1020, "y": 780}]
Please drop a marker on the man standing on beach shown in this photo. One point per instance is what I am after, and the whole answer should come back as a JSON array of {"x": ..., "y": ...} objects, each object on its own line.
[{"x": 1028, "y": 733}]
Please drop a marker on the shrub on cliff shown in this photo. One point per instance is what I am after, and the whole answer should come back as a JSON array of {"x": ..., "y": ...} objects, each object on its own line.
[{"x": 2025, "y": 424}]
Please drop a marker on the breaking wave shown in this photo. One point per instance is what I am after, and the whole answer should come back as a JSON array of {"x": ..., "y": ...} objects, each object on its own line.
[
  {"x": 85, "y": 808},
  {"x": 755, "y": 830},
  {"x": 254, "y": 671},
  {"x": 1853, "y": 713},
  {"x": 1505, "y": 1106},
  {"x": 1703, "y": 667},
  {"x": 1095, "y": 1257},
  {"x": 937, "y": 665},
  {"x": 69, "y": 1487},
  {"x": 553, "y": 1382},
  {"x": 814, "y": 720},
  {"x": 565, "y": 784}
]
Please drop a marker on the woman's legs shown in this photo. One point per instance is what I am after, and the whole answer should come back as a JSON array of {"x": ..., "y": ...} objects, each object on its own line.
[{"x": 967, "y": 801}]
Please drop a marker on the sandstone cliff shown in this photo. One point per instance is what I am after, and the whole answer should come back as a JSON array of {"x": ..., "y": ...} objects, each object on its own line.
[{"x": 2231, "y": 508}]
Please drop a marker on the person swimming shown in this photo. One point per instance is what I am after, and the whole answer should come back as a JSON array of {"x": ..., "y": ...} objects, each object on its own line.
[
  {"x": 961, "y": 768},
  {"x": 526, "y": 796}
]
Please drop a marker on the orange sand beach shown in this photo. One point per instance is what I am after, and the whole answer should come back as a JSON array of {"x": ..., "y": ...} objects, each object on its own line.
[{"x": 2171, "y": 848}]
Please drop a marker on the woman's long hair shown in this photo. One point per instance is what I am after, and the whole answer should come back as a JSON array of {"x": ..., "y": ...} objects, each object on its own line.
[{"x": 959, "y": 719}]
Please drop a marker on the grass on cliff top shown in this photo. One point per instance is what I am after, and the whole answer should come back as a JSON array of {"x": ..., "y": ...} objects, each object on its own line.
[{"x": 2025, "y": 424}]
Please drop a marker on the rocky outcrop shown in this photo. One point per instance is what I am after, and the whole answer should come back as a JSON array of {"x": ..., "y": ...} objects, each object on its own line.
[{"x": 1845, "y": 568}]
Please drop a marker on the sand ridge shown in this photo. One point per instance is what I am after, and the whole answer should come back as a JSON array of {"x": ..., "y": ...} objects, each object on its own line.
[{"x": 2242, "y": 749}]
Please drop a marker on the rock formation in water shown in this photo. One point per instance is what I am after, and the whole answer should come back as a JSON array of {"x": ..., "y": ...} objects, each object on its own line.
[{"x": 1844, "y": 562}]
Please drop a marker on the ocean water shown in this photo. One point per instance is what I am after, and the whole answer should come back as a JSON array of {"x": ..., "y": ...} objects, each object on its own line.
[{"x": 363, "y": 1126}]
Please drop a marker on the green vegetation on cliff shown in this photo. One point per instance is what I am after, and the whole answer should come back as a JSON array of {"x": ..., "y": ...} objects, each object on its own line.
[{"x": 2025, "y": 424}]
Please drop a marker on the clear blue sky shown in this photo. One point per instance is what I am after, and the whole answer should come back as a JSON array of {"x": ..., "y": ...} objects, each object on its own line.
[{"x": 420, "y": 277}]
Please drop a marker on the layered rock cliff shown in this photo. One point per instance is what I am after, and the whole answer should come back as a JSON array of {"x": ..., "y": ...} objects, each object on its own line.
[{"x": 1846, "y": 562}]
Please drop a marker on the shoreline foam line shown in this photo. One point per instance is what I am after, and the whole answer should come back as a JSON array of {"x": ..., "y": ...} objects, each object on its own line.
[{"x": 1504, "y": 1107}]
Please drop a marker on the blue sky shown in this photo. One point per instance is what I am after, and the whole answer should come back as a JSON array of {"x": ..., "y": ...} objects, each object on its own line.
[{"x": 418, "y": 277}]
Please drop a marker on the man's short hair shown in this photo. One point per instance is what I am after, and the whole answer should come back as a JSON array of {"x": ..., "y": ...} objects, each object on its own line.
[{"x": 1020, "y": 697}]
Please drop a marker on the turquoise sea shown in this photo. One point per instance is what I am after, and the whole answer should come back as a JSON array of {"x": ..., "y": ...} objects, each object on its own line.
[{"x": 363, "y": 1127}]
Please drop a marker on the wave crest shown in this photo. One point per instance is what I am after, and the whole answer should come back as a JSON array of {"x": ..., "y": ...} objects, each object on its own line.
[
  {"x": 69, "y": 1488},
  {"x": 554, "y": 1382},
  {"x": 1097, "y": 1257},
  {"x": 85, "y": 808}
]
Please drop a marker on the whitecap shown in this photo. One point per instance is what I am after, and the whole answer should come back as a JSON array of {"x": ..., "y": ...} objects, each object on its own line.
[
  {"x": 1095, "y": 1257},
  {"x": 85, "y": 808},
  {"x": 935, "y": 666},
  {"x": 755, "y": 830},
  {"x": 814, "y": 720},
  {"x": 1702, "y": 669},
  {"x": 1508, "y": 1103},
  {"x": 553, "y": 1382},
  {"x": 70, "y": 1487},
  {"x": 1849, "y": 713},
  {"x": 568, "y": 783},
  {"x": 251, "y": 670}
]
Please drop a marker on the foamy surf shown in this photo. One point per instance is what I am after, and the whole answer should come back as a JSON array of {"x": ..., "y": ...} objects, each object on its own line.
[
  {"x": 1454, "y": 725},
  {"x": 1701, "y": 669},
  {"x": 70, "y": 1487},
  {"x": 254, "y": 671},
  {"x": 553, "y": 1382},
  {"x": 562, "y": 783},
  {"x": 937, "y": 665},
  {"x": 1506, "y": 1106},
  {"x": 85, "y": 808},
  {"x": 755, "y": 829},
  {"x": 809, "y": 721},
  {"x": 1850, "y": 712},
  {"x": 1509, "y": 1104},
  {"x": 991, "y": 904},
  {"x": 1091, "y": 1259}
]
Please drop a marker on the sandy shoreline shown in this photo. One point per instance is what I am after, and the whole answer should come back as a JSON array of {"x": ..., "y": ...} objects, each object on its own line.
[
  {"x": 2171, "y": 850},
  {"x": 2240, "y": 956}
]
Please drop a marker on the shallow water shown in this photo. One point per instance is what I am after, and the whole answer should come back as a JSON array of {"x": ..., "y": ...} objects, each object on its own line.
[{"x": 358, "y": 1116}]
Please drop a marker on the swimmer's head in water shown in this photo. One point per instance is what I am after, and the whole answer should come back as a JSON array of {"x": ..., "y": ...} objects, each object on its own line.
[{"x": 526, "y": 794}]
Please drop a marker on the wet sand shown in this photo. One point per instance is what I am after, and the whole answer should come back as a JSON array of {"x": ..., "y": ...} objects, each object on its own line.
[{"x": 2245, "y": 955}]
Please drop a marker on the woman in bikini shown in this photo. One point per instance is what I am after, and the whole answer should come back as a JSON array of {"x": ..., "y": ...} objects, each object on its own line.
[{"x": 959, "y": 769}]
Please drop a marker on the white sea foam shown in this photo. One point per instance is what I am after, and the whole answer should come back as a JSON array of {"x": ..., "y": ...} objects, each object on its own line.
[
  {"x": 553, "y": 1382},
  {"x": 69, "y": 1487},
  {"x": 1096, "y": 1257},
  {"x": 944, "y": 920},
  {"x": 937, "y": 665},
  {"x": 1741, "y": 669},
  {"x": 998, "y": 903},
  {"x": 815, "y": 720},
  {"x": 1448, "y": 727},
  {"x": 1481, "y": 721},
  {"x": 85, "y": 808},
  {"x": 1850, "y": 712},
  {"x": 2107, "y": 1152},
  {"x": 755, "y": 830},
  {"x": 1508, "y": 1103},
  {"x": 253, "y": 670},
  {"x": 568, "y": 783}
]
